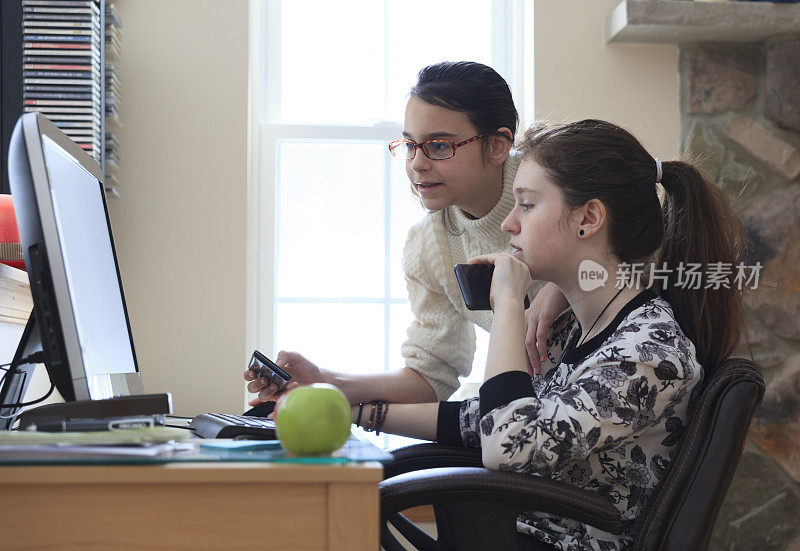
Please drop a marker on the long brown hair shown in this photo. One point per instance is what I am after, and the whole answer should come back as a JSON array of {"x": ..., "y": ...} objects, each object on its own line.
[{"x": 594, "y": 159}]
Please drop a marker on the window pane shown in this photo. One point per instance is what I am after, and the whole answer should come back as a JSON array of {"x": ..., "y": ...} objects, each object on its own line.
[
  {"x": 423, "y": 32},
  {"x": 341, "y": 337},
  {"x": 400, "y": 317},
  {"x": 479, "y": 361},
  {"x": 332, "y": 61},
  {"x": 329, "y": 220},
  {"x": 338, "y": 67},
  {"x": 406, "y": 211},
  {"x": 391, "y": 441}
]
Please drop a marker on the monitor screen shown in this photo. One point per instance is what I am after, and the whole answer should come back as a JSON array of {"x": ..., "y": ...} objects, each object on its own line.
[
  {"x": 79, "y": 315},
  {"x": 91, "y": 272}
]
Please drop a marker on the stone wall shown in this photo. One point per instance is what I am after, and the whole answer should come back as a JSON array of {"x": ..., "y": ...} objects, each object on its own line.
[{"x": 740, "y": 108}]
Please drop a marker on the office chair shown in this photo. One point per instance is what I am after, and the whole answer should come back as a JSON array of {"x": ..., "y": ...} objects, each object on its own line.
[{"x": 476, "y": 508}]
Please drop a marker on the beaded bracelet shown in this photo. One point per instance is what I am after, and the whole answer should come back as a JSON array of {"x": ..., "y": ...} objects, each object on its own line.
[
  {"x": 382, "y": 419},
  {"x": 371, "y": 418},
  {"x": 377, "y": 416},
  {"x": 360, "y": 410}
]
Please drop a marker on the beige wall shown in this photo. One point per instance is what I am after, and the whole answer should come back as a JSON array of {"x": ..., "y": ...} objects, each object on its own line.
[
  {"x": 578, "y": 76},
  {"x": 180, "y": 225}
]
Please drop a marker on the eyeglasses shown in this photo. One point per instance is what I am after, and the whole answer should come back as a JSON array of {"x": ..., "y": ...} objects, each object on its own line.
[{"x": 436, "y": 150}]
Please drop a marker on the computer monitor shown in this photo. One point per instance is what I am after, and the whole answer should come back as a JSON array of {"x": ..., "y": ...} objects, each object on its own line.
[{"x": 79, "y": 314}]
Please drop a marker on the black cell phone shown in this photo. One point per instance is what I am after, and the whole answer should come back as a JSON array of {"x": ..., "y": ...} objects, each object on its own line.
[
  {"x": 475, "y": 281},
  {"x": 267, "y": 369}
]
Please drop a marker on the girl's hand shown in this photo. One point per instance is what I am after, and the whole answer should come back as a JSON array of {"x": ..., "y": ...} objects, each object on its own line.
[
  {"x": 303, "y": 372},
  {"x": 548, "y": 303},
  {"x": 511, "y": 278},
  {"x": 281, "y": 395}
]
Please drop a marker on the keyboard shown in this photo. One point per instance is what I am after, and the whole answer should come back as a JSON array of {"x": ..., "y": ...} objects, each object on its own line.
[{"x": 222, "y": 425}]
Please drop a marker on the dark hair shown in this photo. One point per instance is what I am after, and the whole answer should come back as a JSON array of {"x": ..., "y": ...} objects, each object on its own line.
[
  {"x": 474, "y": 89},
  {"x": 594, "y": 159}
]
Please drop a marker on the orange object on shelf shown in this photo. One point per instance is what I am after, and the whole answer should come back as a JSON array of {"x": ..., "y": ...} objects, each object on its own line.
[{"x": 10, "y": 249}]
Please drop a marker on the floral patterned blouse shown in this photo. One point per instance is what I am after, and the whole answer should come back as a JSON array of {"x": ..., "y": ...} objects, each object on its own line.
[{"x": 604, "y": 416}]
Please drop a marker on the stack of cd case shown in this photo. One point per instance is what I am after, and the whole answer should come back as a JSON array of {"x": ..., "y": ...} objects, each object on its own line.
[
  {"x": 113, "y": 38},
  {"x": 62, "y": 69}
]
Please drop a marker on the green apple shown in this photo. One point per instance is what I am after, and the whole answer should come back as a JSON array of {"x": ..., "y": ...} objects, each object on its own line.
[{"x": 313, "y": 420}]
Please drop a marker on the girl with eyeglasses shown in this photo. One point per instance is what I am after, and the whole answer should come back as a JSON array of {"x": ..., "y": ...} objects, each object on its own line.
[
  {"x": 625, "y": 363},
  {"x": 458, "y": 131}
]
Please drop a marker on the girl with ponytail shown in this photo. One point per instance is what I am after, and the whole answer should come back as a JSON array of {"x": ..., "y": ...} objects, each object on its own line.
[
  {"x": 626, "y": 361},
  {"x": 594, "y": 159}
]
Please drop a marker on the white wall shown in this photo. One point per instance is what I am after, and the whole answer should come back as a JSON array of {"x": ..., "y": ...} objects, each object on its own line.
[
  {"x": 180, "y": 225},
  {"x": 577, "y": 75}
]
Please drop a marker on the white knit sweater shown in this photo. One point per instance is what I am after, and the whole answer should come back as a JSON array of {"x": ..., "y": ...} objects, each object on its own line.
[{"x": 441, "y": 340}]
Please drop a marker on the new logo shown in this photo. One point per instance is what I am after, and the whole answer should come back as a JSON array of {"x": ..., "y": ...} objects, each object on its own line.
[{"x": 591, "y": 275}]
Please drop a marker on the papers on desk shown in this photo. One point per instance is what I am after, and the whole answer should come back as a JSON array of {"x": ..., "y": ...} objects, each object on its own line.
[
  {"x": 239, "y": 445},
  {"x": 151, "y": 442},
  {"x": 160, "y": 445},
  {"x": 147, "y": 435},
  {"x": 92, "y": 452}
]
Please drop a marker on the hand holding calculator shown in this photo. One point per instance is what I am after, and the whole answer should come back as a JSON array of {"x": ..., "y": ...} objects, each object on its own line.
[
  {"x": 264, "y": 368},
  {"x": 298, "y": 370}
]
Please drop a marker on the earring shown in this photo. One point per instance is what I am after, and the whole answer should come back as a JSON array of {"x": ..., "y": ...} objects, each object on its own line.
[{"x": 581, "y": 232}]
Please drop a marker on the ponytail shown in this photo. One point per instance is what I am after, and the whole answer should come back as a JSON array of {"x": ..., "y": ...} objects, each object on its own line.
[
  {"x": 701, "y": 228},
  {"x": 695, "y": 225}
]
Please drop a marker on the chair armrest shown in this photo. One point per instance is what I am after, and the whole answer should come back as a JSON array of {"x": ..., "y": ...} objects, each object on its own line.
[
  {"x": 478, "y": 485},
  {"x": 431, "y": 456}
]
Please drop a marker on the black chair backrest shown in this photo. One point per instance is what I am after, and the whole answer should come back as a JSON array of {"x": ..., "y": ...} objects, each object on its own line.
[{"x": 682, "y": 512}]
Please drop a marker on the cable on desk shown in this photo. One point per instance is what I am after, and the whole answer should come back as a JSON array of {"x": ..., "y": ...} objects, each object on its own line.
[
  {"x": 35, "y": 358},
  {"x": 32, "y": 402}
]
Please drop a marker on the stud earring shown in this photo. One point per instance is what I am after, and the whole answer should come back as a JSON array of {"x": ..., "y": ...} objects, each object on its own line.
[{"x": 581, "y": 232}]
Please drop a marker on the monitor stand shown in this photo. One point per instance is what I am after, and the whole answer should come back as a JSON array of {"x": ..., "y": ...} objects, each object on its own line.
[
  {"x": 110, "y": 408},
  {"x": 18, "y": 378}
]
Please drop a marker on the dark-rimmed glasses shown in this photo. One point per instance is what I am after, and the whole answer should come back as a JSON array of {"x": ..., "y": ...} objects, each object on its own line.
[{"x": 436, "y": 150}]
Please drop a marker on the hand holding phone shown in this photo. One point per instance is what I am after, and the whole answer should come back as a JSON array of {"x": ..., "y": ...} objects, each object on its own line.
[
  {"x": 475, "y": 282},
  {"x": 265, "y": 368}
]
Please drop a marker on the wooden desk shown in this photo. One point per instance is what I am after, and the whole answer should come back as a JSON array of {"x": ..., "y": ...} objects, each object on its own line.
[{"x": 195, "y": 506}]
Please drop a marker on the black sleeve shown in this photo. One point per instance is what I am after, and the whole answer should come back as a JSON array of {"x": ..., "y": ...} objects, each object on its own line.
[
  {"x": 503, "y": 389},
  {"x": 447, "y": 427}
]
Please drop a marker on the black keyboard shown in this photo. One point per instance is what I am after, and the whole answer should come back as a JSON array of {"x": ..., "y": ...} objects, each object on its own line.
[{"x": 222, "y": 425}]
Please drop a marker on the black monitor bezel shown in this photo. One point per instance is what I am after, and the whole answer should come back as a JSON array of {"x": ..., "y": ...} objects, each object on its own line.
[{"x": 34, "y": 210}]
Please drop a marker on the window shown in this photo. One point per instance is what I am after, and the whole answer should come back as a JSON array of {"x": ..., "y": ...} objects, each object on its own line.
[{"x": 330, "y": 207}]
